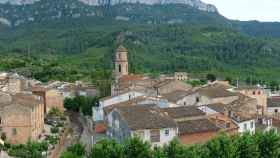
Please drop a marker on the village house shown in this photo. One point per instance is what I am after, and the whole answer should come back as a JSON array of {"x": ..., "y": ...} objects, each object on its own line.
[
  {"x": 147, "y": 122},
  {"x": 255, "y": 92},
  {"x": 273, "y": 106},
  {"x": 215, "y": 93},
  {"x": 13, "y": 83},
  {"x": 181, "y": 76},
  {"x": 197, "y": 131},
  {"x": 21, "y": 117},
  {"x": 181, "y": 98},
  {"x": 242, "y": 112},
  {"x": 193, "y": 125},
  {"x": 98, "y": 113},
  {"x": 52, "y": 98},
  {"x": 168, "y": 86}
]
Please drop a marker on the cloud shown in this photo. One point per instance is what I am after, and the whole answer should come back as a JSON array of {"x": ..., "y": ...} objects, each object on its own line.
[{"x": 262, "y": 10}]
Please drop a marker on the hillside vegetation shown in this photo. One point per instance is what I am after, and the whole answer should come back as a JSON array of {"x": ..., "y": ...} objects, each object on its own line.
[{"x": 160, "y": 38}]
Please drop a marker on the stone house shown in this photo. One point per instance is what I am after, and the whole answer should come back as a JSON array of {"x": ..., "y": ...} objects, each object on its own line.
[
  {"x": 21, "y": 117},
  {"x": 193, "y": 125},
  {"x": 168, "y": 86},
  {"x": 273, "y": 106},
  {"x": 255, "y": 92},
  {"x": 98, "y": 113},
  {"x": 181, "y": 98},
  {"x": 147, "y": 122},
  {"x": 197, "y": 131},
  {"x": 215, "y": 94},
  {"x": 181, "y": 76},
  {"x": 242, "y": 112},
  {"x": 52, "y": 98}
]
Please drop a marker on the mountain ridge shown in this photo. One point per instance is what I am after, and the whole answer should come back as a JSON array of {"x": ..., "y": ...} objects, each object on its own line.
[{"x": 193, "y": 3}]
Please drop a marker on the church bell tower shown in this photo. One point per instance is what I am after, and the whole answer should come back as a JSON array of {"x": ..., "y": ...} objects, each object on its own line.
[{"x": 121, "y": 62}]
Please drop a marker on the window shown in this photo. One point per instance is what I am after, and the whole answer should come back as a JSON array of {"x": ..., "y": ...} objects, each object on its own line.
[
  {"x": 254, "y": 93},
  {"x": 259, "y": 93},
  {"x": 197, "y": 99},
  {"x": 155, "y": 136},
  {"x": 120, "y": 68},
  {"x": 227, "y": 125},
  {"x": 14, "y": 131},
  {"x": 276, "y": 110},
  {"x": 252, "y": 124},
  {"x": 185, "y": 103},
  {"x": 245, "y": 126},
  {"x": 166, "y": 132}
]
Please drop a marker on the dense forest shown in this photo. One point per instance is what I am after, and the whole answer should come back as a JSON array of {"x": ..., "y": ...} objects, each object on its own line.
[{"x": 160, "y": 38}]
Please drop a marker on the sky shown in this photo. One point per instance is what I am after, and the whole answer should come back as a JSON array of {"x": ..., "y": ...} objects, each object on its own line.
[{"x": 262, "y": 10}]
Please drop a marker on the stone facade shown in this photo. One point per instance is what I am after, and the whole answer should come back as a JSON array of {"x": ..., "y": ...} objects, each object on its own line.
[
  {"x": 52, "y": 98},
  {"x": 22, "y": 117},
  {"x": 197, "y": 138},
  {"x": 169, "y": 86},
  {"x": 121, "y": 62},
  {"x": 258, "y": 93},
  {"x": 181, "y": 76}
]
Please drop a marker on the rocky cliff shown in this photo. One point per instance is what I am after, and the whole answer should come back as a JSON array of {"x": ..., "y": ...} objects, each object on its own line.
[{"x": 194, "y": 3}]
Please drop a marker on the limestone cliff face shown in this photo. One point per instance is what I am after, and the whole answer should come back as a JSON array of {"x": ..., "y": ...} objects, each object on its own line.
[
  {"x": 194, "y": 3},
  {"x": 19, "y": 2}
]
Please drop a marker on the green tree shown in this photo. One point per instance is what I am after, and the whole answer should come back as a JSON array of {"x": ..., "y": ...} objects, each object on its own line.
[
  {"x": 246, "y": 146},
  {"x": 136, "y": 148},
  {"x": 107, "y": 149},
  {"x": 222, "y": 147},
  {"x": 211, "y": 77},
  {"x": 268, "y": 144}
]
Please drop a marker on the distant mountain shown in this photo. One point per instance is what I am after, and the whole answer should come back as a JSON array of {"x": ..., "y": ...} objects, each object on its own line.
[
  {"x": 161, "y": 37},
  {"x": 194, "y": 3},
  {"x": 18, "y": 12},
  {"x": 171, "y": 12}
]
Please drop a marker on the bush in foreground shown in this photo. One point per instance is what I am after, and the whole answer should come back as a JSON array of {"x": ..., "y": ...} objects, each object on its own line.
[{"x": 259, "y": 145}]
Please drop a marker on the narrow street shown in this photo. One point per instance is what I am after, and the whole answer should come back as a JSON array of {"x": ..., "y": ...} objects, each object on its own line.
[
  {"x": 76, "y": 130},
  {"x": 79, "y": 132}
]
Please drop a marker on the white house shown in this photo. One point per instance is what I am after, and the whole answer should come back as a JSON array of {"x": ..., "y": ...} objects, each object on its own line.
[
  {"x": 98, "y": 113},
  {"x": 144, "y": 121},
  {"x": 245, "y": 124},
  {"x": 273, "y": 106}
]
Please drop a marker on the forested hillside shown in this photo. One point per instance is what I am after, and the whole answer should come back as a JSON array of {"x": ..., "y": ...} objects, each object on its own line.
[{"x": 79, "y": 44}]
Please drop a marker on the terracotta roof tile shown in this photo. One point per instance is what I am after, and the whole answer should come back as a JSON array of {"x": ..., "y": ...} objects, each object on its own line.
[
  {"x": 197, "y": 126},
  {"x": 146, "y": 117}
]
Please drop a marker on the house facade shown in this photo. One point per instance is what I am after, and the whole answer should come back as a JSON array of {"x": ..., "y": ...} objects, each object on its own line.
[
  {"x": 145, "y": 122},
  {"x": 22, "y": 117},
  {"x": 98, "y": 112}
]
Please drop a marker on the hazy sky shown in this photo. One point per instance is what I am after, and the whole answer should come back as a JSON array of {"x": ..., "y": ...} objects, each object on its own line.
[{"x": 262, "y": 10}]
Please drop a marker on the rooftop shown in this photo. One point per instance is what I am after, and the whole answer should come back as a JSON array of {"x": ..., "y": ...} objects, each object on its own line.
[
  {"x": 145, "y": 117},
  {"x": 183, "y": 112},
  {"x": 215, "y": 91},
  {"x": 177, "y": 95},
  {"x": 218, "y": 107},
  {"x": 23, "y": 99},
  {"x": 197, "y": 126}
]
